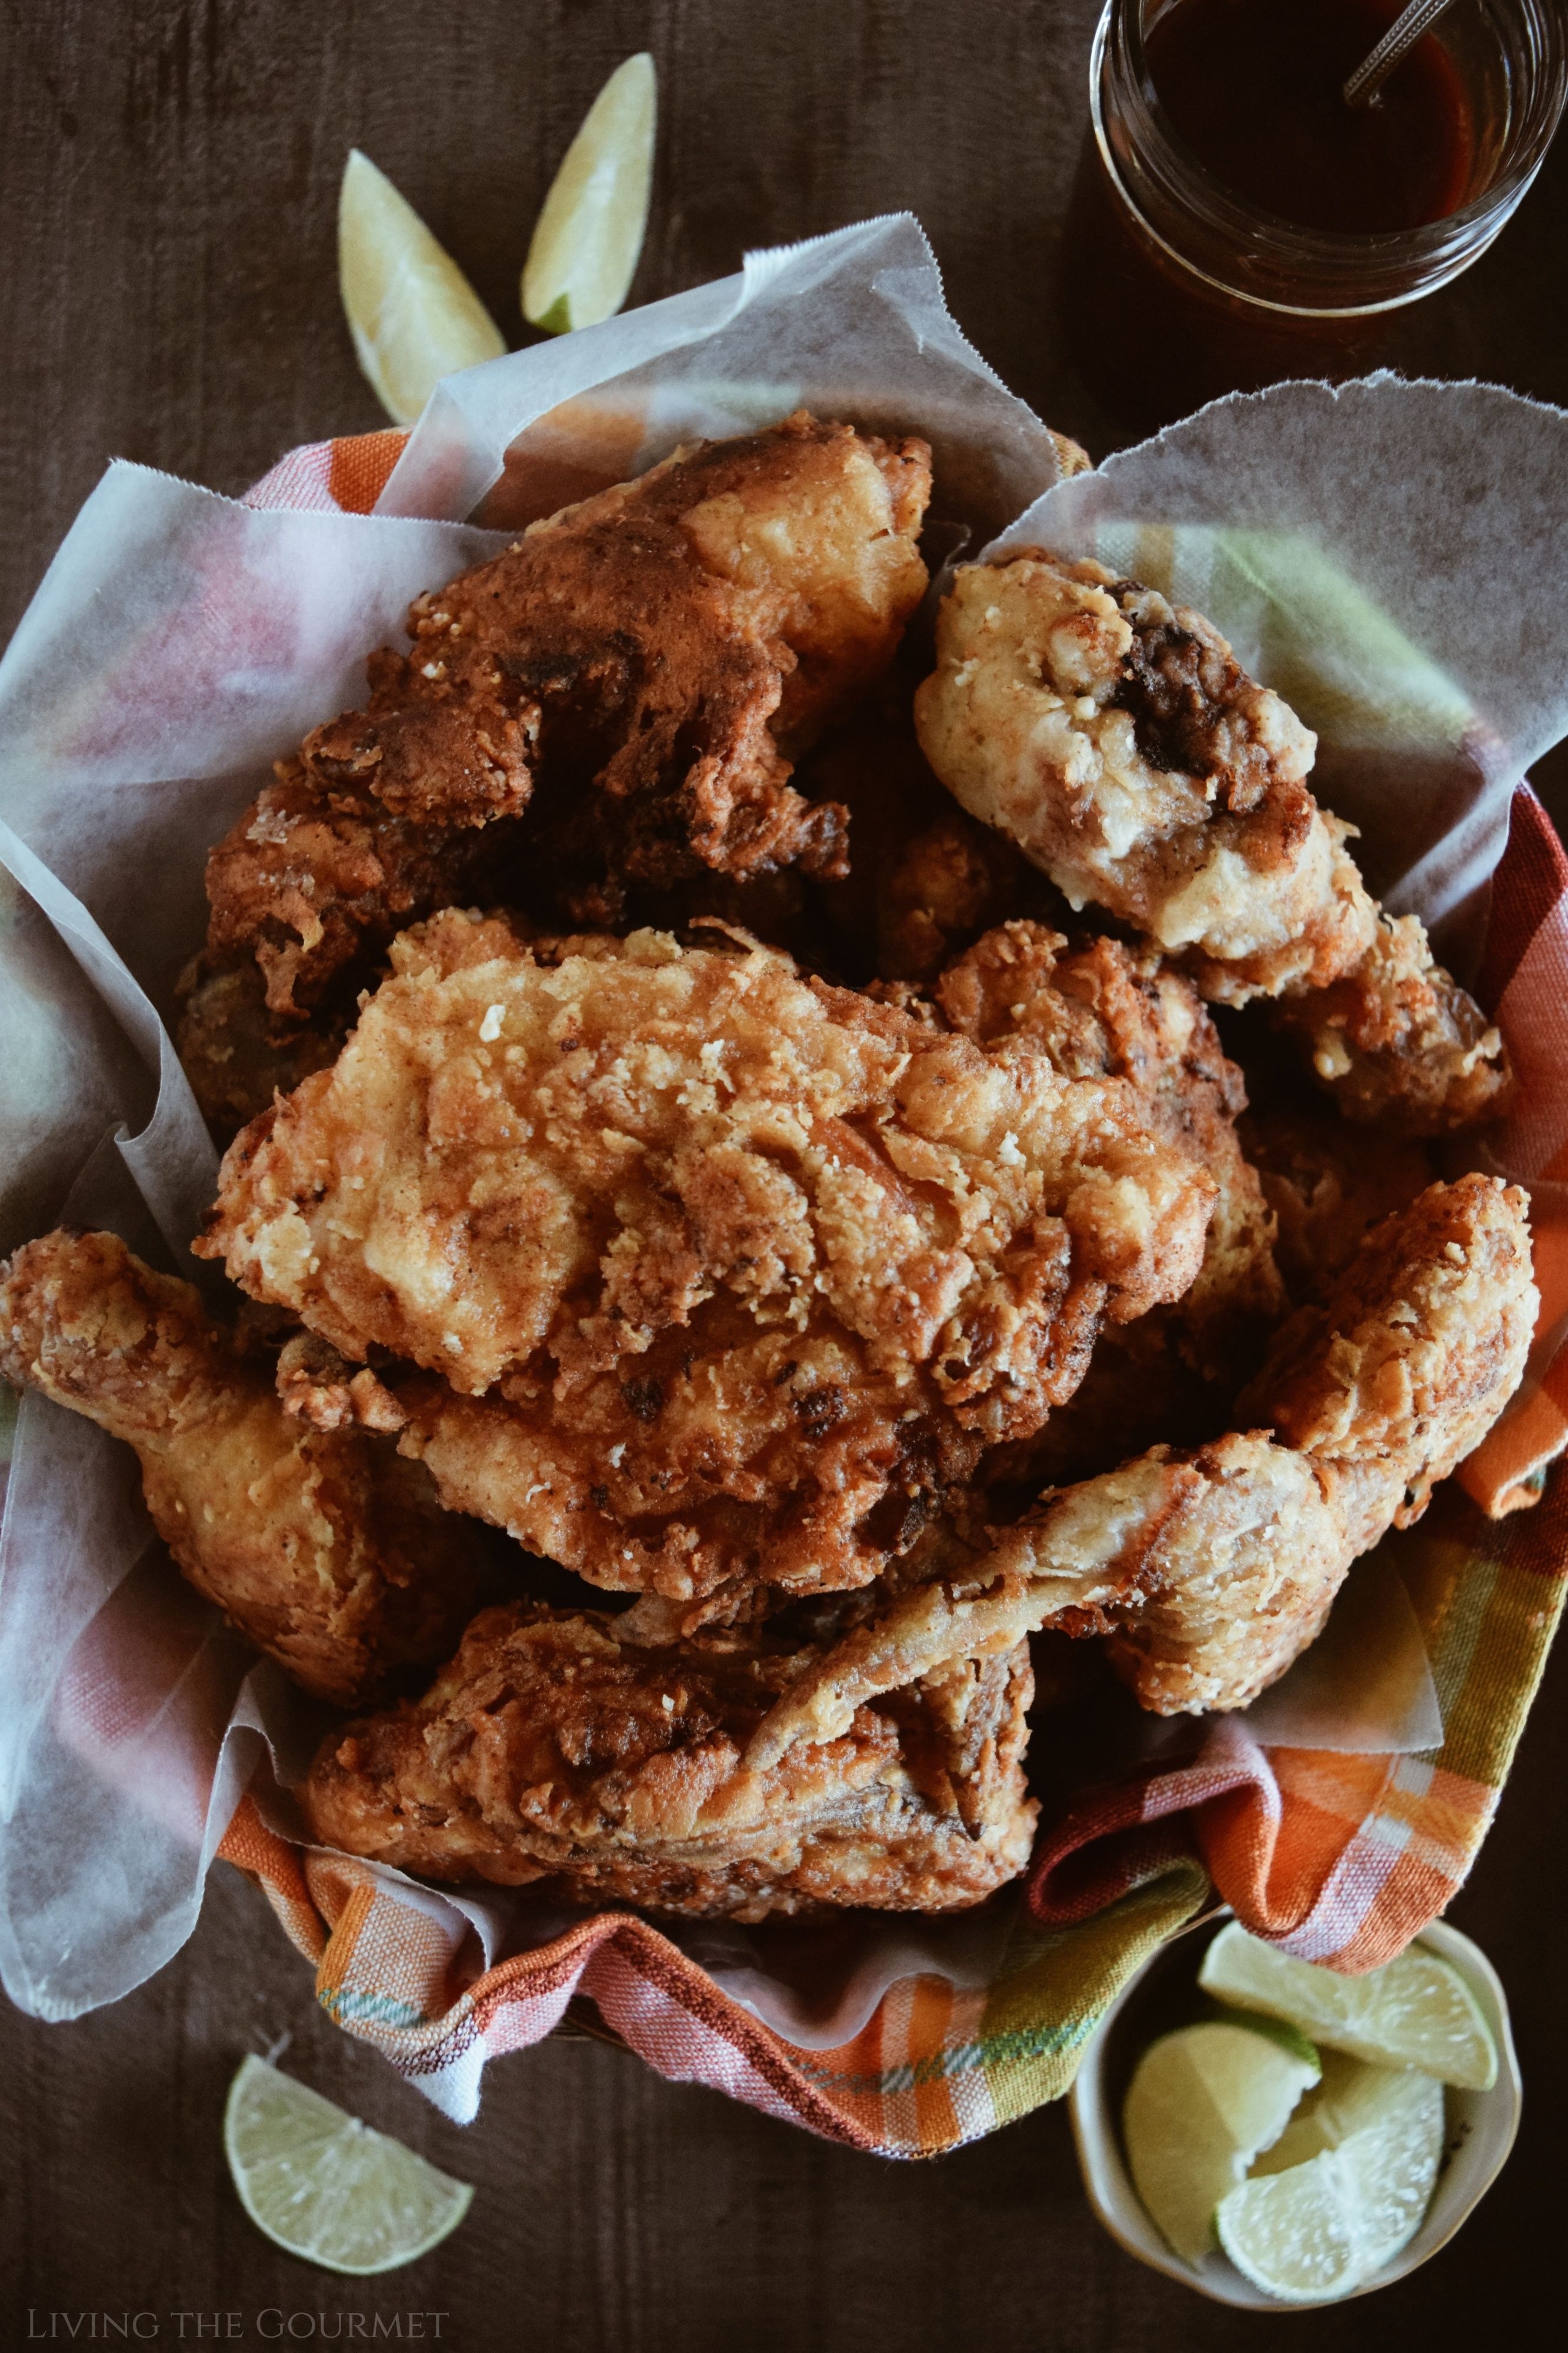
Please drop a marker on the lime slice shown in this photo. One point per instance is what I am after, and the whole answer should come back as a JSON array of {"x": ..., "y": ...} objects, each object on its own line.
[
  {"x": 587, "y": 242},
  {"x": 326, "y": 2187},
  {"x": 412, "y": 314},
  {"x": 1392, "y": 2159},
  {"x": 1291, "y": 2233},
  {"x": 1203, "y": 2103},
  {"x": 1415, "y": 2011},
  {"x": 1355, "y": 2169}
]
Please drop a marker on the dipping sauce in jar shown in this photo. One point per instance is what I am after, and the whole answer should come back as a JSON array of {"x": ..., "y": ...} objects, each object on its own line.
[
  {"x": 1254, "y": 91},
  {"x": 1236, "y": 221}
]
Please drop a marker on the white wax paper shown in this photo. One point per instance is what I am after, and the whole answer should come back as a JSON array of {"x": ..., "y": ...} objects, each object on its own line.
[{"x": 181, "y": 642}]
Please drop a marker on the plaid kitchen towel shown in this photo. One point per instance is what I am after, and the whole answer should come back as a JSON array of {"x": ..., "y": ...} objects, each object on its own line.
[{"x": 1337, "y": 1857}]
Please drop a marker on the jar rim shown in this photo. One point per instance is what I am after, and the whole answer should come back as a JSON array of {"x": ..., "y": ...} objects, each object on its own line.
[{"x": 1436, "y": 249}]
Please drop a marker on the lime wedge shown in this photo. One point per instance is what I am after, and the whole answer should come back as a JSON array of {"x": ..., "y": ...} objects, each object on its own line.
[
  {"x": 326, "y": 2187},
  {"x": 1387, "y": 2125},
  {"x": 412, "y": 314},
  {"x": 1415, "y": 2011},
  {"x": 587, "y": 240},
  {"x": 1291, "y": 2233},
  {"x": 1355, "y": 2164},
  {"x": 1203, "y": 2103}
]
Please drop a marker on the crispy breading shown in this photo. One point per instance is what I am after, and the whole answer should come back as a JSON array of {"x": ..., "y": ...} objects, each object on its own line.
[
  {"x": 1124, "y": 749},
  {"x": 1212, "y": 1570},
  {"x": 1107, "y": 1010},
  {"x": 330, "y": 1552},
  {"x": 310, "y": 884},
  {"x": 728, "y": 1275},
  {"x": 1400, "y": 1371},
  {"x": 1398, "y": 1043},
  {"x": 659, "y": 652},
  {"x": 1120, "y": 743},
  {"x": 552, "y": 1747},
  {"x": 1378, "y": 1394}
]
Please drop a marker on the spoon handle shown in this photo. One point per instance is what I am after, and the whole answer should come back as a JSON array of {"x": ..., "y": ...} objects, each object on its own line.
[{"x": 1401, "y": 37}]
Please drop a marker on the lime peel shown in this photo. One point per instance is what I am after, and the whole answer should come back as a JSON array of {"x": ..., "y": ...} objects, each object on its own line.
[{"x": 325, "y": 2187}]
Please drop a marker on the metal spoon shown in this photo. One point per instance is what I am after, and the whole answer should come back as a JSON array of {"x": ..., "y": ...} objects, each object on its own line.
[{"x": 1400, "y": 39}]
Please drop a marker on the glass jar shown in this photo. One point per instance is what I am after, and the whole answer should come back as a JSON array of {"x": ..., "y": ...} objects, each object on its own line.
[{"x": 1217, "y": 295}]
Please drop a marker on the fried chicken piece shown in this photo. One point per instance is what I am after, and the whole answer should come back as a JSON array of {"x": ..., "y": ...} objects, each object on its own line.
[
  {"x": 237, "y": 1055},
  {"x": 1103, "y": 1010},
  {"x": 1326, "y": 1183},
  {"x": 1397, "y": 1042},
  {"x": 1119, "y": 742},
  {"x": 924, "y": 879},
  {"x": 330, "y": 1552},
  {"x": 1118, "y": 1009},
  {"x": 728, "y": 1274},
  {"x": 1213, "y": 1571},
  {"x": 659, "y": 653},
  {"x": 552, "y": 1747}
]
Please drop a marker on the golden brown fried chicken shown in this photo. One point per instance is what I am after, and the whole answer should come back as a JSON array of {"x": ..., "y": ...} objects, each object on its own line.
[
  {"x": 552, "y": 1746},
  {"x": 658, "y": 654},
  {"x": 1119, "y": 742},
  {"x": 727, "y": 1274},
  {"x": 1106, "y": 1010},
  {"x": 1397, "y": 1042},
  {"x": 1213, "y": 1570},
  {"x": 330, "y": 1552}
]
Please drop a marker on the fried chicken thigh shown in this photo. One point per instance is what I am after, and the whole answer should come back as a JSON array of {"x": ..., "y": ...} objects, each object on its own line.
[
  {"x": 1119, "y": 742},
  {"x": 657, "y": 657},
  {"x": 1212, "y": 1570},
  {"x": 724, "y": 1275},
  {"x": 553, "y": 1746},
  {"x": 330, "y": 1552}
]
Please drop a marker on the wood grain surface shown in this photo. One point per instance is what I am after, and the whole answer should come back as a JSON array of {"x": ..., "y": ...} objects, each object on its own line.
[{"x": 168, "y": 181}]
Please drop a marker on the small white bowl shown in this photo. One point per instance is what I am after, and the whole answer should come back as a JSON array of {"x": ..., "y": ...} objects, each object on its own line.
[{"x": 1480, "y": 2131}]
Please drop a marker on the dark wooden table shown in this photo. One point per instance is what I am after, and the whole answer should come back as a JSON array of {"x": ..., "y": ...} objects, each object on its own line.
[{"x": 168, "y": 182}]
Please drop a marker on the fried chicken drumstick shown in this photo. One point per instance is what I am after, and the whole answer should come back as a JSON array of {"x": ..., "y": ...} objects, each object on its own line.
[
  {"x": 1119, "y": 742},
  {"x": 550, "y": 1746},
  {"x": 655, "y": 658},
  {"x": 721, "y": 1276},
  {"x": 329, "y": 1551},
  {"x": 1213, "y": 1570}
]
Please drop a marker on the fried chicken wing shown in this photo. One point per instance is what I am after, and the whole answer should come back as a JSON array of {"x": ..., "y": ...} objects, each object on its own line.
[
  {"x": 1119, "y": 742},
  {"x": 657, "y": 656},
  {"x": 330, "y": 1552},
  {"x": 1212, "y": 1571},
  {"x": 552, "y": 1747},
  {"x": 726, "y": 1275}
]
